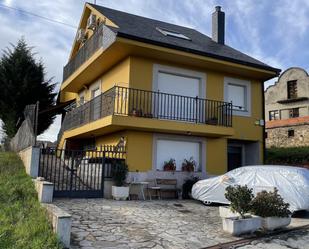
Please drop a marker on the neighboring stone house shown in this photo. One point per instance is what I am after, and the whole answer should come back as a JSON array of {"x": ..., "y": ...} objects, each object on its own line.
[{"x": 287, "y": 110}]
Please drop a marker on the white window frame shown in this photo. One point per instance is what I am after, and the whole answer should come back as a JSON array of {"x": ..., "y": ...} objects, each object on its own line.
[
  {"x": 201, "y": 76},
  {"x": 247, "y": 85},
  {"x": 178, "y": 138},
  {"x": 82, "y": 95},
  {"x": 93, "y": 87}
]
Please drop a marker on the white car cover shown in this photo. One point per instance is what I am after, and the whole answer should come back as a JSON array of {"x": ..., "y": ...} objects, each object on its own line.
[{"x": 292, "y": 184}]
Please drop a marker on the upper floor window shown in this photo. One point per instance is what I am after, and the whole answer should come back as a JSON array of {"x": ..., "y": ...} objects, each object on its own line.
[
  {"x": 292, "y": 89},
  {"x": 294, "y": 113},
  {"x": 81, "y": 100},
  {"x": 274, "y": 115},
  {"x": 239, "y": 93},
  {"x": 95, "y": 93}
]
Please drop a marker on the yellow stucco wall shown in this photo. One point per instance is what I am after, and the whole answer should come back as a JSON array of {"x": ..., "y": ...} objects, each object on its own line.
[
  {"x": 141, "y": 76},
  {"x": 137, "y": 72},
  {"x": 117, "y": 75},
  {"x": 139, "y": 150},
  {"x": 138, "y": 145},
  {"x": 216, "y": 156}
]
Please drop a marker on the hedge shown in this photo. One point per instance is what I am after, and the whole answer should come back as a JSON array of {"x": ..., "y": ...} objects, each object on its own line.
[{"x": 288, "y": 156}]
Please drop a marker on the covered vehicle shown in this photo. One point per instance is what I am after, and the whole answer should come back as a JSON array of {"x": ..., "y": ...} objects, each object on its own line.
[{"x": 292, "y": 184}]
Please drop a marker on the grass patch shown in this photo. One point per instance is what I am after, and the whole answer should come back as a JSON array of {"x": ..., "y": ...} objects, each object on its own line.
[
  {"x": 291, "y": 156},
  {"x": 23, "y": 223}
]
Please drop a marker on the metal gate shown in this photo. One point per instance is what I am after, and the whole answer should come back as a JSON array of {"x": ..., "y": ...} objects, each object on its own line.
[{"x": 79, "y": 173}]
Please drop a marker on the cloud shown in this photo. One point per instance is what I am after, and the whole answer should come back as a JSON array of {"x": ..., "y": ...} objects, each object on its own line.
[{"x": 275, "y": 32}]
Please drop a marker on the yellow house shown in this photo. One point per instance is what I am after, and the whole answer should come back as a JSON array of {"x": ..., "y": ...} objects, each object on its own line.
[{"x": 166, "y": 91}]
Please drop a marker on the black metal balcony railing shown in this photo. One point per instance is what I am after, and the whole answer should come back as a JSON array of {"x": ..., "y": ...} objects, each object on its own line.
[
  {"x": 95, "y": 42},
  {"x": 149, "y": 104}
]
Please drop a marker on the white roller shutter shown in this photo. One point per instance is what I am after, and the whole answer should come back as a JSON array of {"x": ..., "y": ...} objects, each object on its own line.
[
  {"x": 180, "y": 108},
  {"x": 178, "y": 150}
]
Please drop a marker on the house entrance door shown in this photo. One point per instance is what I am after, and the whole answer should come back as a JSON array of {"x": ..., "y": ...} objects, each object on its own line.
[{"x": 234, "y": 155}]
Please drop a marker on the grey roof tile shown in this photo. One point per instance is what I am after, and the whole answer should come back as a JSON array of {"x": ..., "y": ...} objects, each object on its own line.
[{"x": 145, "y": 29}]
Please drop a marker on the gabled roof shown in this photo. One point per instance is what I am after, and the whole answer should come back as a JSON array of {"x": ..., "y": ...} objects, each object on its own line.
[{"x": 146, "y": 30}]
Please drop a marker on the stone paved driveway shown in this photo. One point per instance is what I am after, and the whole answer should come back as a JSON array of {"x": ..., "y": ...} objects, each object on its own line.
[{"x": 99, "y": 223}]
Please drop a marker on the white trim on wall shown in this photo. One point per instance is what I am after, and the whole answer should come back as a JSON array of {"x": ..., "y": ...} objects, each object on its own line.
[
  {"x": 248, "y": 102},
  {"x": 201, "y": 76},
  {"x": 201, "y": 140}
]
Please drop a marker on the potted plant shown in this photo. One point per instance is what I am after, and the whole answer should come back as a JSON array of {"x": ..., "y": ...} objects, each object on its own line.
[
  {"x": 240, "y": 198},
  {"x": 212, "y": 121},
  {"x": 169, "y": 165},
  {"x": 272, "y": 208},
  {"x": 119, "y": 176},
  {"x": 136, "y": 112},
  {"x": 148, "y": 115},
  {"x": 188, "y": 165},
  {"x": 187, "y": 187}
]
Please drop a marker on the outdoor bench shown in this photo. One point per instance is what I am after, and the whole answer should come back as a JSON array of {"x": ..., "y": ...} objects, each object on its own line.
[{"x": 168, "y": 186}]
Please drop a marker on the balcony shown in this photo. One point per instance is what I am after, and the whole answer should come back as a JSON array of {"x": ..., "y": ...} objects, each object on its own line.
[
  {"x": 122, "y": 101},
  {"x": 93, "y": 44}
]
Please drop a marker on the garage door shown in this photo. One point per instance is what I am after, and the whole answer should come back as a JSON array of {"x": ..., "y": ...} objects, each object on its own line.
[
  {"x": 177, "y": 106},
  {"x": 178, "y": 150}
]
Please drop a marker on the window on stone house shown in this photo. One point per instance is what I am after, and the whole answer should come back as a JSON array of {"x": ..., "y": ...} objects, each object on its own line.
[
  {"x": 292, "y": 89},
  {"x": 274, "y": 115},
  {"x": 290, "y": 133},
  {"x": 266, "y": 135},
  {"x": 294, "y": 113}
]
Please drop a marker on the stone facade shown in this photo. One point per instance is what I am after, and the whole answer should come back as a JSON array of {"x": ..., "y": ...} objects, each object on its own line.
[
  {"x": 279, "y": 136},
  {"x": 286, "y": 115},
  {"x": 276, "y": 96}
]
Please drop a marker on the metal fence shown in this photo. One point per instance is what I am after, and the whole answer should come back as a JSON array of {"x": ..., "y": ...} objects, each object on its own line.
[
  {"x": 79, "y": 173},
  {"x": 91, "y": 45},
  {"x": 149, "y": 104},
  {"x": 159, "y": 105}
]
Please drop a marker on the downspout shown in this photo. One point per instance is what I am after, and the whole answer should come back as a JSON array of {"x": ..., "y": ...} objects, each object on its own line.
[{"x": 264, "y": 129}]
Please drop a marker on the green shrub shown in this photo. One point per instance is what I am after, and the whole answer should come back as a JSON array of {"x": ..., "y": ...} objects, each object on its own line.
[
  {"x": 269, "y": 204},
  {"x": 119, "y": 173},
  {"x": 288, "y": 156},
  {"x": 240, "y": 198},
  {"x": 187, "y": 186}
]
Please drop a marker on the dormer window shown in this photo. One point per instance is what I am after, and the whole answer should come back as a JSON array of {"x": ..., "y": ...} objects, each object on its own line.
[
  {"x": 175, "y": 34},
  {"x": 292, "y": 89}
]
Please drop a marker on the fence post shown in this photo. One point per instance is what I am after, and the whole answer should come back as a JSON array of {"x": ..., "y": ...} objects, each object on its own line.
[
  {"x": 36, "y": 122},
  {"x": 196, "y": 109},
  {"x": 103, "y": 172}
]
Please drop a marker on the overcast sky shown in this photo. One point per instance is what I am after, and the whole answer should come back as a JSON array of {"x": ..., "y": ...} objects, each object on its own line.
[{"x": 275, "y": 32}]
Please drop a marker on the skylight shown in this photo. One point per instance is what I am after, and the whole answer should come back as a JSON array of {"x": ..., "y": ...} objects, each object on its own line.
[{"x": 173, "y": 34}]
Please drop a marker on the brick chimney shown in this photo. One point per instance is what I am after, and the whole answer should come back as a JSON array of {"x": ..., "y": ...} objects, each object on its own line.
[{"x": 218, "y": 24}]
